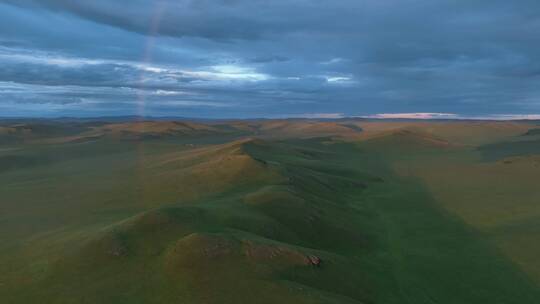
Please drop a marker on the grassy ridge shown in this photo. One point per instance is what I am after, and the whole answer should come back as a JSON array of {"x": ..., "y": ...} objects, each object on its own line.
[{"x": 296, "y": 221}]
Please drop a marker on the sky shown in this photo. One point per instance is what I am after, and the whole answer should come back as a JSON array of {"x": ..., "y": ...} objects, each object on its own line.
[{"x": 274, "y": 59}]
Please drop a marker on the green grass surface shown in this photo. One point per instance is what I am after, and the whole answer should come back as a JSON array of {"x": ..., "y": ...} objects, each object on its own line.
[{"x": 213, "y": 219}]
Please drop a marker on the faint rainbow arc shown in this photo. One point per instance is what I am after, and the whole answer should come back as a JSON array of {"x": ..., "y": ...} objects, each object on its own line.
[
  {"x": 141, "y": 95},
  {"x": 154, "y": 28}
]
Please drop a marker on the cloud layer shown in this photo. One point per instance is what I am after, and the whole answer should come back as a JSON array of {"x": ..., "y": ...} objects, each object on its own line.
[{"x": 240, "y": 58}]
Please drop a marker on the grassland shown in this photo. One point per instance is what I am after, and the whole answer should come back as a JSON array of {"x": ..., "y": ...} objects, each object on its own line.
[{"x": 290, "y": 211}]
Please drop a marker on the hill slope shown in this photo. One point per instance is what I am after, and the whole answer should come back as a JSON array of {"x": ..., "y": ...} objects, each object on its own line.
[{"x": 293, "y": 221}]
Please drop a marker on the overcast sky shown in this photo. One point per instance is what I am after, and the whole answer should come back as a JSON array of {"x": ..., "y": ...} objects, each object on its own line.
[{"x": 261, "y": 58}]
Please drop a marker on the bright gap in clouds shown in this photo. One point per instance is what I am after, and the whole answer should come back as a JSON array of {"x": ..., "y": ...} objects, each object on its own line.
[{"x": 453, "y": 116}]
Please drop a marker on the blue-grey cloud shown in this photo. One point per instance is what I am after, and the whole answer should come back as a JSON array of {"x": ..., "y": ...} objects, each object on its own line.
[{"x": 240, "y": 58}]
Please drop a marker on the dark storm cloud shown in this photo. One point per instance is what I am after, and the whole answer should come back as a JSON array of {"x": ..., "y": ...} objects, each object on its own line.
[{"x": 266, "y": 58}]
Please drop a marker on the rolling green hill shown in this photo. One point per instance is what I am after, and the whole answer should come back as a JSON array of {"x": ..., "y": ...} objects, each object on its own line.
[{"x": 269, "y": 211}]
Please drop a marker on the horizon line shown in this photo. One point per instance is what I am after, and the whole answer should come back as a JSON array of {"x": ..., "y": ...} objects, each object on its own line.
[{"x": 426, "y": 116}]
